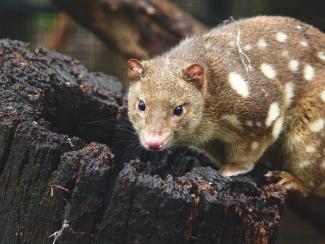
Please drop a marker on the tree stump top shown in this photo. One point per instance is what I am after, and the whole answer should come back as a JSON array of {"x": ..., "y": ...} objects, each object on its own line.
[{"x": 70, "y": 163}]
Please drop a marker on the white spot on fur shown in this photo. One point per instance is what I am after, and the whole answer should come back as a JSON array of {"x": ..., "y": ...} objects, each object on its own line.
[
  {"x": 273, "y": 114},
  {"x": 277, "y": 128},
  {"x": 317, "y": 125},
  {"x": 321, "y": 55},
  {"x": 248, "y": 47},
  {"x": 288, "y": 93},
  {"x": 304, "y": 43},
  {"x": 322, "y": 95},
  {"x": 310, "y": 149},
  {"x": 268, "y": 71},
  {"x": 254, "y": 145},
  {"x": 249, "y": 123},
  {"x": 261, "y": 44},
  {"x": 258, "y": 124},
  {"x": 309, "y": 72},
  {"x": 238, "y": 83},
  {"x": 299, "y": 27},
  {"x": 233, "y": 120},
  {"x": 293, "y": 65},
  {"x": 304, "y": 163},
  {"x": 285, "y": 54},
  {"x": 281, "y": 37}
]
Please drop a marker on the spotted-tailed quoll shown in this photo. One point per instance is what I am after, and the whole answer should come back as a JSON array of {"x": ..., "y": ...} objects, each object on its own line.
[{"x": 249, "y": 84}]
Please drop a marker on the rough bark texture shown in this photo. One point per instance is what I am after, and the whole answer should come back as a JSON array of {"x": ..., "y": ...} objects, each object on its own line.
[
  {"x": 137, "y": 29},
  {"x": 68, "y": 153}
]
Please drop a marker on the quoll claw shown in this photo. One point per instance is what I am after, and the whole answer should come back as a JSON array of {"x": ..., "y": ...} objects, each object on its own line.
[{"x": 286, "y": 180}]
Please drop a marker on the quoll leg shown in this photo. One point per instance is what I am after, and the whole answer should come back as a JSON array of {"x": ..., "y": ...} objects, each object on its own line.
[
  {"x": 233, "y": 169},
  {"x": 303, "y": 144},
  {"x": 241, "y": 157}
]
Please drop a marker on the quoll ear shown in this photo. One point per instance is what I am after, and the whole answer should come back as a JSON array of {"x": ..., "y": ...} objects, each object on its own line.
[
  {"x": 194, "y": 74},
  {"x": 135, "y": 70}
]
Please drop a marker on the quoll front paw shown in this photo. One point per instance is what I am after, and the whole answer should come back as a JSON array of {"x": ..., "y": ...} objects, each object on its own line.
[
  {"x": 287, "y": 181},
  {"x": 233, "y": 170}
]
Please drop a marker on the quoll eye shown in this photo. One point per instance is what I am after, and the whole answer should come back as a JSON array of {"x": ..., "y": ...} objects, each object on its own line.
[
  {"x": 141, "y": 106},
  {"x": 178, "y": 110}
]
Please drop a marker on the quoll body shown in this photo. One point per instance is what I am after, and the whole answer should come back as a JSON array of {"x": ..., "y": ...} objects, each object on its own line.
[{"x": 249, "y": 83}]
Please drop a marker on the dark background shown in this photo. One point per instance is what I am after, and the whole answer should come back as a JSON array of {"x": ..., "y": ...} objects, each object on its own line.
[{"x": 33, "y": 20}]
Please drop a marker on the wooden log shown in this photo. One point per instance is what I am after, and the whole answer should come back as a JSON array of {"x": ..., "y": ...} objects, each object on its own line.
[
  {"x": 137, "y": 29},
  {"x": 57, "y": 36},
  {"x": 71, "y": 168}
]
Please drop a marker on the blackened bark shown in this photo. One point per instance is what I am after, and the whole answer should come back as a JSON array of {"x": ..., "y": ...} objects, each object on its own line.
[{"x": 69, "y": 155}]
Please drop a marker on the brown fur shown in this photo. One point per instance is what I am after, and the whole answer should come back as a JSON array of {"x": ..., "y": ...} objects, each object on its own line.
[{"x": 239, "y": 116}]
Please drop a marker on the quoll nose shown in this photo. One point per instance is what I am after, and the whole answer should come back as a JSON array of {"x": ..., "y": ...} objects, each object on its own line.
[{"x": 154, "y": 142}]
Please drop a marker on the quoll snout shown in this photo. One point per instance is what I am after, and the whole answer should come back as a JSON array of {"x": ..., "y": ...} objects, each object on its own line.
[{"x": 154, "y": 142}]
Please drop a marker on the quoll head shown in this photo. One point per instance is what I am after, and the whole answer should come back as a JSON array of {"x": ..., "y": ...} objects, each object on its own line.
[{"x": 165, "y": 101}]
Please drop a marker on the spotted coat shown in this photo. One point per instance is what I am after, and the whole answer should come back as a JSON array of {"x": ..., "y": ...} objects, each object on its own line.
[{"x": 264, "y": 83}]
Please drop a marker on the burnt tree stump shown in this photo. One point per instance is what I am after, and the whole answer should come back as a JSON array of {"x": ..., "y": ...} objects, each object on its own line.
[{"x": 70, "y": 165}]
